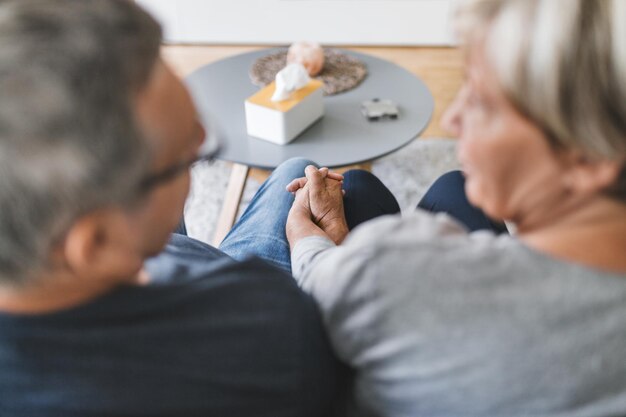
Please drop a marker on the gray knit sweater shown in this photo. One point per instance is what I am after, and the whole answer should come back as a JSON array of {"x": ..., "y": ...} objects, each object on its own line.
[{"x": 439, "y": 322}]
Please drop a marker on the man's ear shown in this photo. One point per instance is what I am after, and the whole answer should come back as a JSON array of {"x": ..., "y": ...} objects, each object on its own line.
[
  {"x": 588, "y": 175},
  {"x": 100, "y": 245}
]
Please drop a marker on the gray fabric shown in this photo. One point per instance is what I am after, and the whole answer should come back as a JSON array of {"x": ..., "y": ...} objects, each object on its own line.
[{"x": 439, "y": 322}]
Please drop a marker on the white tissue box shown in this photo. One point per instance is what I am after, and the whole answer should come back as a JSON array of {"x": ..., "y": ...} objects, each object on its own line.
[{"x": 281, "y": 121}]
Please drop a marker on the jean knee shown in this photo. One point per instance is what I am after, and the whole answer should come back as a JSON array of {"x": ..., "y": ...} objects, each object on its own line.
[
  {"x": 450, "y": 181},
  {"x": 366, "y": 197},
  {"x": 445, "y": 192},
  {"x": 359, "y": 174},
  {"x": 294, "y": 167},
  {"x": 362, "y": 178}
]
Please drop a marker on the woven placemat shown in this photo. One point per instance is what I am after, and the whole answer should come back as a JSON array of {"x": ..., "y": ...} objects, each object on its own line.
[{"x": 341, "y": 72}]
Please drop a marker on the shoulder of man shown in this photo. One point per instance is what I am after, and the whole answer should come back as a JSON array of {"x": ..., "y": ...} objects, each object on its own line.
[{"x": 187, "y": 261}]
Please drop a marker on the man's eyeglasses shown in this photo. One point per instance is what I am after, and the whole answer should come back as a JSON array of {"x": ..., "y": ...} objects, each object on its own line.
[{"x": 208, "y": 151}]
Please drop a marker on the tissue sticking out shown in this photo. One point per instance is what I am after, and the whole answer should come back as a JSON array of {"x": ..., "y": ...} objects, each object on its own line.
[
  {"x": 309, "y": 54},
  {"x": 291, "y": 78}
]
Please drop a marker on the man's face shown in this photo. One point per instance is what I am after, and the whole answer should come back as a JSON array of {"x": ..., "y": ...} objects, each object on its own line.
[{"x": 168, "y": 117}]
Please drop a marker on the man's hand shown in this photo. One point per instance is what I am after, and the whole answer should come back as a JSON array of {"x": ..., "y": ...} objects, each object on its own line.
[
  {"x": 318, "y": 207},
  {"x": 299, "y": 183}
]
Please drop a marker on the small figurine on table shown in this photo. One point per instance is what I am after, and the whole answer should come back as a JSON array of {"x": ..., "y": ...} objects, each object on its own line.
[{"x": 377, "y": 109}]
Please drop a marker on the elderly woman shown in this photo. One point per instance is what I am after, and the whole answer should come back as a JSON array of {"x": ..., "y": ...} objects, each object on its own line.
[{"x": 440, "y": 321}]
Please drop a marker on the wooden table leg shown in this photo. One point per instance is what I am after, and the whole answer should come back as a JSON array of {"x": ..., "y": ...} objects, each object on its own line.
[{"x": 230, "y": 207}]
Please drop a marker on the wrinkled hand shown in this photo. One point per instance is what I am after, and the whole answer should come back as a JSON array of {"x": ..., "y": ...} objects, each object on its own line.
[
  {"x": 299, "y": 183},
  {"x": 318, "y": 205}
]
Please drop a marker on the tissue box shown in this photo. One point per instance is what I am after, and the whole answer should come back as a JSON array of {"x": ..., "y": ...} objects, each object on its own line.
[{"x": 281, "y": 121}]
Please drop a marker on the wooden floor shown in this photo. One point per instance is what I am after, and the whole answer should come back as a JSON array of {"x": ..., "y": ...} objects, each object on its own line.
[{"x": 440, "y": 68}]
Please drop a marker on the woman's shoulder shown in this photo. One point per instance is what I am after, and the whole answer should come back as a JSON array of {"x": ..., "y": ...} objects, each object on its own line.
[
  {"x": 413, "y": 226},
  {"x": 436, "y": 246},
  {"x": 396, "y": 262},
  {"x": 424, "y": 233}
]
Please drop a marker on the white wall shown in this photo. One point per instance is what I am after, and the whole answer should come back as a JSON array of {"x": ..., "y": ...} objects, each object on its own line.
[{"x": 348, "y": 22}]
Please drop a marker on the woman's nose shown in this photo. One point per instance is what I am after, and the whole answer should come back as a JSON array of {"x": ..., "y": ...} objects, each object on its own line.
[{"x": 451, "y": 119}]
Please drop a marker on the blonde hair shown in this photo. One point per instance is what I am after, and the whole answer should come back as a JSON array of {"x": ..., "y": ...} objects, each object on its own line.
[{"x": 562, "y": 63}]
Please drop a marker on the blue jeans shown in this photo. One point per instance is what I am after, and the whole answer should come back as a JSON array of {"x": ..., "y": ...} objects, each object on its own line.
[
  {"x": 447, "y": 194},
  {"x": 261, "y": 229}
]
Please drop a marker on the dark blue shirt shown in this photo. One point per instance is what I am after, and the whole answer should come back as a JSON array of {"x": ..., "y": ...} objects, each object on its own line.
[{"x": 208, "y": 337}]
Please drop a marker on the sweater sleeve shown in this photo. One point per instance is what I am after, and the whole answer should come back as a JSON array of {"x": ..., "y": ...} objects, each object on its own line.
[{"x": 353, "y": 283}]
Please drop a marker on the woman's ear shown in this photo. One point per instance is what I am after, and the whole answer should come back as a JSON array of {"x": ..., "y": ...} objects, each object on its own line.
[
  {"x": 101, "y": 245},
  {"x": 589, "y": 175}
]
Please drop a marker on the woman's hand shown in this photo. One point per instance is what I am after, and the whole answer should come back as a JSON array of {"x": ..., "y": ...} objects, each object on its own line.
[
  {"x": 299, "y": 183},
  {"x": 318, "y": 207}
]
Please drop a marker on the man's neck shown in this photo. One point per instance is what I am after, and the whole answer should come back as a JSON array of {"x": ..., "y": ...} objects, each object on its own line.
[{"x": 53, "y": 293}]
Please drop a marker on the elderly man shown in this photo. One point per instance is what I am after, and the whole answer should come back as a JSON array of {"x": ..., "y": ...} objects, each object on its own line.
[{"x": 96, "y": 138}]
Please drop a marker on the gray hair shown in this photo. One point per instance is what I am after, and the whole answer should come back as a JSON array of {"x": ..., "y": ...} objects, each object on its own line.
[
  {"x": 562, "y": 63},
  {"x": 69, "y": 140}
]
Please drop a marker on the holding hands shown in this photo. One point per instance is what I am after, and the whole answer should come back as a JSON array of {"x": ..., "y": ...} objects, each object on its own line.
[{"x": 318, "y": 207}]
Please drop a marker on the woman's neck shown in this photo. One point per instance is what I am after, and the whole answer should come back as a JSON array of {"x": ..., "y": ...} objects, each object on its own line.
[{"x": 592, "y": 234}]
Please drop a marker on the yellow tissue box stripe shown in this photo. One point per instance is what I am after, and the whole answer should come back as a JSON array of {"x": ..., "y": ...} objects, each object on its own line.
[{"x": 264, "y": 96}]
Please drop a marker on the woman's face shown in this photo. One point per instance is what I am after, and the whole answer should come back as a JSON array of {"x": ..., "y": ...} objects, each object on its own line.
[{"x": 511, "y": 171}]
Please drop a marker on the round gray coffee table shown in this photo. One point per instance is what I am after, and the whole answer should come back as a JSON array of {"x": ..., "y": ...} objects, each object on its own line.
[{"x": 341, "y": 137}]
